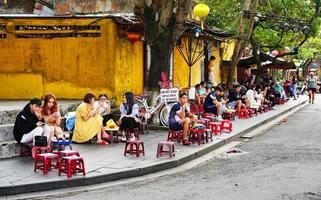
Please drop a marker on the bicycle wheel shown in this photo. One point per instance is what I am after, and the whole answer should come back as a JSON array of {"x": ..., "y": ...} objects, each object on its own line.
[{"x": 164, "y": 114}]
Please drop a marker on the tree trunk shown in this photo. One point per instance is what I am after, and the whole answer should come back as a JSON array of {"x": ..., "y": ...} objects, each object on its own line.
[
  {"x": 245, "y": 32},
  {"x": 164, "y": 23}
]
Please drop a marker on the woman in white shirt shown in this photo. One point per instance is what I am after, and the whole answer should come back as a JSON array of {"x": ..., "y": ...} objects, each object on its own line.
[
  {"x": 129, "y": 113},
  {"x": 253, "y": 97},
  {"x": 104, "y": 107}
]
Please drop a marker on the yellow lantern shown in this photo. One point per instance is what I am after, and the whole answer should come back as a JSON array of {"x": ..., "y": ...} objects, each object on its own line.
[{"x": 201, "y": 10}]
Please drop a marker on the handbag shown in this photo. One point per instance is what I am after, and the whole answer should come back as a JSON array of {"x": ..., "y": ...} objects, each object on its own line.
[{"x": 41, "y": 141}]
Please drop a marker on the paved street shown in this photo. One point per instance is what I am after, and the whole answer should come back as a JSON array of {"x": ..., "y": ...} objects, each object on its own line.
[{"x": 283, "y": 163}]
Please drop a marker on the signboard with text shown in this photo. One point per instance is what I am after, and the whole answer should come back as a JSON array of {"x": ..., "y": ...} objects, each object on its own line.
[{"x": 169, "y": 95}]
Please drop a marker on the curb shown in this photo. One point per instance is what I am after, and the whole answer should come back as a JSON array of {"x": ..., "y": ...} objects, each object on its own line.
[{"x": 84, "y": 181}]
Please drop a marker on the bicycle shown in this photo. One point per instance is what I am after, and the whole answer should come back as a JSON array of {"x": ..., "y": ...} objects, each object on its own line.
[
  {"x": 164, "y": 108},
  {"x": 146, "y": 111}
]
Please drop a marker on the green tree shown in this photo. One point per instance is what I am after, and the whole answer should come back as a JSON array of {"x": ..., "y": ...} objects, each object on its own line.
[{"x": 228, "y": 16}]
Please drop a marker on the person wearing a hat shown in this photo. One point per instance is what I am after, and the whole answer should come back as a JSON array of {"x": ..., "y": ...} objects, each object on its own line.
[{"x": 29, "y": 123}]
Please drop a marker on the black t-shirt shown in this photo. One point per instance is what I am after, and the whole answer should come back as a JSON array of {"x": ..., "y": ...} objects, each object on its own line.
[{"x": 234, "y": 96}]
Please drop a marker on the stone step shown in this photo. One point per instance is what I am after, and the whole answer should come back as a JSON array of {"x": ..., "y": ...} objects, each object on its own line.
[
  {"x": 6, "y": 132},
  {"x": 8, "y": 116},
  {"x": 9, "y": 149}
]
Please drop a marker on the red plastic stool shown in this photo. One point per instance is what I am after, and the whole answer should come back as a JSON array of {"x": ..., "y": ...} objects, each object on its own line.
[
  {"x": 139, "y": 147},
  {"x": 198, "y": 135},
  {"x": 66, "y": 153},
  {"x": 129, "y": 133},
  {"x": 175, "y": 135},
  {"x": 71, "y": 165},
  {"x": 244, "y": 114},
  {"x": 216, "y": 128},
  {"x": 209, "y": 116},
  {"x": 252, "y": 112},
  {"x": 46, "y": 159},
  {"x": 170, "y": 146},
  {"x": 39, "y": 150},
  {"x": 226, "y": 126},
  {"x": 205, "y": 122}
]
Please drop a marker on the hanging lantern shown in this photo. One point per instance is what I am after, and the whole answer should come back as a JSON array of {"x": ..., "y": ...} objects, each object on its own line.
[
  {"x": 133, "y": 37},
  {"x": 201, "y": 11}
]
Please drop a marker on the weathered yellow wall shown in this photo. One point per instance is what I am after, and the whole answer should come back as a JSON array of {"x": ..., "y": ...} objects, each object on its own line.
[
  {"x": 69, "y": 67},
  {"x": 181, "y": 71}
]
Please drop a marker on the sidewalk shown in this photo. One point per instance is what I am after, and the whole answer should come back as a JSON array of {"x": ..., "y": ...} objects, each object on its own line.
[{"x": 107, "y": 163}]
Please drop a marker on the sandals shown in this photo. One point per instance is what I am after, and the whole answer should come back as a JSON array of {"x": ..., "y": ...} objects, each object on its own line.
[{"x": 102, "y": 142}]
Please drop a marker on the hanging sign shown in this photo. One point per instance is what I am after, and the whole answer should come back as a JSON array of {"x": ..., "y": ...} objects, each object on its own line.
[{"x": 169, "y": 95}]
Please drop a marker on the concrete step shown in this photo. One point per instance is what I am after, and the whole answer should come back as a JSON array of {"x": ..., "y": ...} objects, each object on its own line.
[
  {"x": 6, "y": 132},
  {"x": 8, "y": 116},
  {"x": 9, "y": 149}
]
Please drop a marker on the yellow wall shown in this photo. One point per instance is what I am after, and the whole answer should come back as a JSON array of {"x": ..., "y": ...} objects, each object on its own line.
[
  {"x": 181, "y": 70},
  {"x": 69, "y": 67}
]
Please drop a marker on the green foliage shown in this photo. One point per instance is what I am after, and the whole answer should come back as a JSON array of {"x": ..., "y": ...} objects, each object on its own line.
[{"x": 226, "y": 15}]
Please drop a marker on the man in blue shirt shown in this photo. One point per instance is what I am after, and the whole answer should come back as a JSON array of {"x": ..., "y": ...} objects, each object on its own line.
[
  {"x": 213, "y": 102},
  {"x": 180, "y": 118}
]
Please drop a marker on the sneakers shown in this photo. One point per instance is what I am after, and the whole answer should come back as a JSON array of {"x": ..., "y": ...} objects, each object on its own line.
[
  {"x": 186, "y": 142},
  {"x": 219, "y": 118}
]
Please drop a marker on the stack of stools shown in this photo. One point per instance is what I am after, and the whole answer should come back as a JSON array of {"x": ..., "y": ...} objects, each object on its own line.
[
  {"x": 139, "y": 147},
  {"x": 216, "y": 128},
  {"x": 46, "y": 159},
  {"x": 160, "y": 149},
  {"x": 198, "y": 135},
  {"x": 244, "y": 114},
  {"x": 70, "y": 162},
  {"x": 175, "y": 135},
  {"x": 226, "y": 126}
]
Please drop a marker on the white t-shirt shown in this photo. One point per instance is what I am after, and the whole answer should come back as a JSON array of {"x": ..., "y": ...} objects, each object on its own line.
[{"x": 102, "y": 110}]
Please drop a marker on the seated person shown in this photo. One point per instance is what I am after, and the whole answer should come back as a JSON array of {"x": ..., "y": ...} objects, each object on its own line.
[
  {"x": 180, "y": 118},
  {"x": 279, "y": 89},
  {"x": 88, "y": 123},
  {"x": 234, "y": 99},
  {"x": 253, "y": 98},
  {"x": 214, "y": 102},
  {"x": 202, "y": 92},
  {"x": 29, "y": 123},
  {"x": 129, "y": 115},
  {"x": 198, "y": 97},
  {"x": 51, "y": 115},
  {"x": 104, "y": 107}
]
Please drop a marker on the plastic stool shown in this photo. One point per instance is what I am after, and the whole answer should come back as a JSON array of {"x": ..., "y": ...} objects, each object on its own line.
[
  {"x": 226, "y": 126},
  {"x": 46, "y": 159},
  {"x": 172, "y": 135},
  {"x": 170, "y": 146},
  {"x": 244, "y": 114},
  {"x": 216, "y": 128},
  {"x": 128, "y": 133},
  {"x": 139, "y": 147},
  {"x": 71, "y": 165},
  {"x": 197, "y": 135}
]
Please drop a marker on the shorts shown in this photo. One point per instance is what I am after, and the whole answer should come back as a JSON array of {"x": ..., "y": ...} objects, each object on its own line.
[
  {"x": 211, "y": 110},
  {"x": 175, "y": 126},
  {"x": 312, "y": 89},
  {"x": 231, "y": 104}
]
